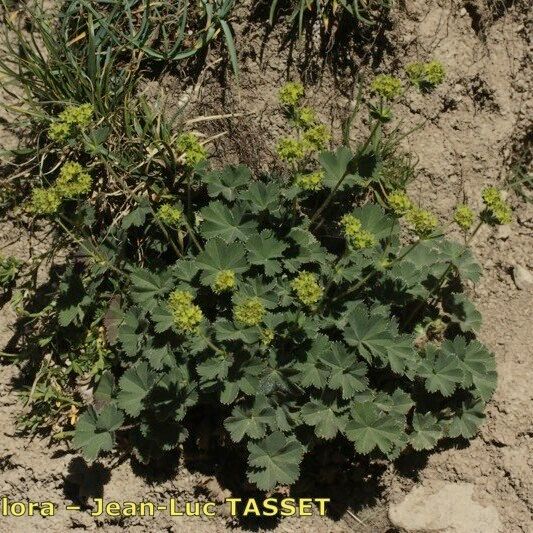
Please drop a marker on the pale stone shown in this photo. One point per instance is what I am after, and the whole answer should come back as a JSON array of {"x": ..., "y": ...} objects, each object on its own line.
[
  {"x": 504, "y": 232},
  {"x": 522, "y": 278},
  {"x": 444, "y": 507}
]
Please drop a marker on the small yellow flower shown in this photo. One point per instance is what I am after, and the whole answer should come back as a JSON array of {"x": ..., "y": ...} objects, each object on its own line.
[
  {"x": 399, "y": 202},
  {"x": 426, "y": 75},
  {"x": 59, "y": 131},
  {"x": 434, "y": 73},
  {"x": 422, "y": 221},
  {"x": 224, "y": 281},
  {"x": 415, "y": 71},
  {"x": 463, "y": 217},
  {"x": 170, "y": 215},
  {"x": 291, "y": 93},
  {"x": 189, "y": 145},
  {"x": 304, "y": 117},
  {"x": 291, "y": 150},
  {"x": 73, "y": 180},
  {"x": 80, "y": 115},
  {"x": 307, "y": 288},
  {"x": 310, "y": 182},
  {"x": 250, "y": 312},
  {"x": 316, "y": 138},
  {"x": 267, "y": 336},
  {"x": 497, "y": 211},
  {"x": 187, "y": 315},
  {"x": 357, "y": 237},
  {"x": 386, "y": 86},
  {"x": 70, "y": 121},
  {"x": 44, "y": 201}
]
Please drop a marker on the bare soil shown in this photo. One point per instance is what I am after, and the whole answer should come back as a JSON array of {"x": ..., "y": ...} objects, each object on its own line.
[{"x": 475, "y": 127}]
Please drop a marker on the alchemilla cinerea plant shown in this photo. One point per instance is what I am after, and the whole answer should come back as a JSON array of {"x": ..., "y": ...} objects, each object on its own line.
[{"x": 293, "y": 309}]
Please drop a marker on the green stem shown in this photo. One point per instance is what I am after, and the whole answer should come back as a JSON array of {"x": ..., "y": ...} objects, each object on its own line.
[
  {"x": 331, "y": 195},
  {"x": 212, "y": 345},
  {"x": 441, "y": 280},
  {"x": 135, "y": 197},
  {"x": 320, "y": 307},
  {"x": 90, "y": 252},
  {"x": 192, "y": 236},
  {"x": 368, "y": 276}
]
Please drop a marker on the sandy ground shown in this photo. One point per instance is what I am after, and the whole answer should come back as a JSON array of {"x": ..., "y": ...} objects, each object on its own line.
[{"x": 475, "y": 127}]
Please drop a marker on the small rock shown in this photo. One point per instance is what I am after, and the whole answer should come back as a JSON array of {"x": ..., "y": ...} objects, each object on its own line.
[
  {"x": 523, "y": 279},
  {"x": 444, "y": 507},
  {"x": 504, "y": 232}
]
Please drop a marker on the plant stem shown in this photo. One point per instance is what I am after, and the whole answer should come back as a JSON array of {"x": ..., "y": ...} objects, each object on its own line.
[
  {"x": 329, "y": 198},
  {"x": 212, "y": 345},
  {"x": 90, "y": 252},
  {"x": 193, "y": 237},
  {"x": 441, "y": 280},
  {"x": 366, "y": 278},
  {"x": 136, "y": 197}
]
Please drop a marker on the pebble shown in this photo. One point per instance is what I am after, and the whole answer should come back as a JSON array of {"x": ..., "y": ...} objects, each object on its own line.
[
  {"x": 523, "y": 279},
  {"x": 444, "y": 507},
  {"x": 504, "y": 232}
]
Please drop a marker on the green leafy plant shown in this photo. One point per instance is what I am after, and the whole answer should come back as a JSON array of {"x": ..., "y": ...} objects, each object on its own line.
[
  {"x": 296, "y": 308},
  {"x": 295, "y": 356},
  {"x": 426, "y": 76},
  {"x": 9, "y": 269}
]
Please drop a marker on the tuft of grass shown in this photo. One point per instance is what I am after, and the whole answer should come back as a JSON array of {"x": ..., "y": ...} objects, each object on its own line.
[
  {"x": 521, "y": 182},
  {"x": 163, "y": 31},
  {"x": 58, "y": 64},
  {"x": 363, "y": 11}
]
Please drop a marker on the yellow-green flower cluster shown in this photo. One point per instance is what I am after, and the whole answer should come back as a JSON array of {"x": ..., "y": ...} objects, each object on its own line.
[
  {"x": 186, "y": 314},
  {"x": 387, "y": 86},
  {"x": 464, "y": 217},
  {"x": 399, "y": 202},
  {"x": 307, "y": 288},
  {"x": 59, "y": 131},
  {"x": 496, "y": 208},
  {"x": 316, "y": 137},
  {"x": 357, "y": 237},
  {"x": 193, "y": 152},
  {"x": 313, "y": 139},
  {"x": 434, "y": 73},
  {"x": 426, "y": 75},
  {"x": 291, "y": 150},
  {"x": 44, "y": 201},
  {"x": 291, "y": 93},
  {"x": 249, "y": 312},
  {"x": 311, "y": 181},
  {"x": 304, "y": 117},
  {"x": 170, "y": 215},
  {"x": 267, "y": 336},
  {"x": 73, "y": 180},
  {"x": 415, "y": 71},
  {"x": 224, "y": 281},
  {"x": 422, "y": 221},
  {"x": 69, "y": 120}
]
